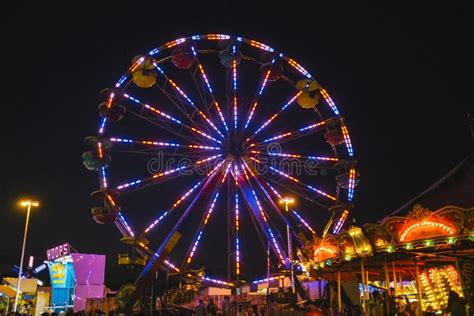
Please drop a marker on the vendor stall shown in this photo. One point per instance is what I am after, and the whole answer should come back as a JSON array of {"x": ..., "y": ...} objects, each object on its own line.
[{"x": 75, "y": 277}]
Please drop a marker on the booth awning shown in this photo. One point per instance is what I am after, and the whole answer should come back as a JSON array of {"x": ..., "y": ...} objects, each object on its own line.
[
  {"x": 26, "y": 285},
  {"x": 6, "y": 290}
]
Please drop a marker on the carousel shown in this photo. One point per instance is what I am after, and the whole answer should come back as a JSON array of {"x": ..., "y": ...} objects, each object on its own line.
[{"x": 416, "y": 256}]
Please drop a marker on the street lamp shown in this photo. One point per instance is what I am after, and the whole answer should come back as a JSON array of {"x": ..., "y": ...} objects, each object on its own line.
[
  {"x": 288, "y": 201},
  {"x": 28, "y": 204}
]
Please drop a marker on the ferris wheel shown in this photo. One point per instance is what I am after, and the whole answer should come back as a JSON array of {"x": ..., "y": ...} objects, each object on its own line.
[{"x": 217, "y": 124}]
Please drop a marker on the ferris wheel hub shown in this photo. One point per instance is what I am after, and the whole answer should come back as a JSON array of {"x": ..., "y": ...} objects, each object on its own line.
[{"x": 233, "y": 145}]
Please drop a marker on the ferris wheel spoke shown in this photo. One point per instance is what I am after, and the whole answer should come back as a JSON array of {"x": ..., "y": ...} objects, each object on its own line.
[
  {"x": 196, "y": 154},
  {"x": 144, "y": 250},
  {"x": 235, "y": 196},
  {"x": 121, "y": 228},
  {"x": 162, "y": 126},
  {"x": 256, "y": 99},
  {"x": 195, "y": 169},
  {"x": 164, "y": 174},
  {"x": 175, "y": 228},
  {"x": 204, "y": 220},
  {"x": 188, "y": 113},
  {"x": 237, "y": 239},
  {"x": 162, "y": 115},
  {"x": 298, "y": 190},
  {"x": 274, "y": 116},
  {"x": 203, "y": 95},
  {"x": 118, "y": 223},
  {"x": 303, "y": 222},
  {"x": 210, "y": 90},
  {"x": 197, "y": 237},
  {"x": 266, "y": 224},
  {"x": 172, "y": 208},
  {"x": 260, "y": 232},
  {"x": 125, "y": 224},
  {"x": 234, "y": 92},
  {"x": 253, "y": 203},
  {"x": 161, "y": 144},
  {"x": 321, "y": 161},
  {"x": 297, "y": 181},
  {"x": 196, "y": 132},
  {"x": 189, "y": 101},
  {"x": 167, "y": 125},
  {"x": 291, "y": 135},
  {"x": 267, "y": 196},
  {"x": 294, "y": 212},
  {"x": 181, "y": 199}
]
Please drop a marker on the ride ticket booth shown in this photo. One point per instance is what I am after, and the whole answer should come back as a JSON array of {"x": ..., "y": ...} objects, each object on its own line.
[{"x": 75, "y": 277}]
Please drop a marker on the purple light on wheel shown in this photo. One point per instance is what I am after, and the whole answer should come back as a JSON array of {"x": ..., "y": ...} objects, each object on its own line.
[
  {"x": 274, "y": 116},
  {"x": 274, "y": 191},
  {"x": 102, "y": 125},
  {"x": 156, "y": 221},
  {"x": 161, "y": 144},
  {"x": 152, "y": 109},
  {"x": 125, "y": 224},
  {"x": 302, "y": 221},
  {"x": 234, "y": 80},
  {"x": 237, "y": 243},
  {"x": 287, "y": 134},
  {"x": 208, "y": 85},
  {"x": 104, "y": 177},
  {"x": 121, "y": 81},
  {"x": 297, "y": 181},
  {"x": 260, "y": 92},
  {"x": 172, "y": 266},
  {"x": 275, "y": 243},
  {"x": 206, "y": 220},
  {"x": 188, "y": 99}
]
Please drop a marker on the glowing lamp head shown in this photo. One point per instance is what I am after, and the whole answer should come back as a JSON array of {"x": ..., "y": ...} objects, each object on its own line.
[
  {"x": 25, "y": 203},
  {"x": 451, "y": 240},
  {"x": 428, "y": 242},
  {"x": 287, "y": 200}
]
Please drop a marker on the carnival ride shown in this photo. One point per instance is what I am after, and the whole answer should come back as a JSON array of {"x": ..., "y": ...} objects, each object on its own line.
[
  {"x": 226, "y": 125},
  {"x": 423, "y": 250}
]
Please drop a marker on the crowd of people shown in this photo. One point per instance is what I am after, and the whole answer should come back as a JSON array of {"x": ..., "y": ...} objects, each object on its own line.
[
  {"x": 203, "y": 310},
  {"x": 377, "y": 306}
]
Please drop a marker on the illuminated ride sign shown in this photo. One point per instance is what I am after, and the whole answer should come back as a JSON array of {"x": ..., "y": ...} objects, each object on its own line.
[{"x": 58, "y": 251}]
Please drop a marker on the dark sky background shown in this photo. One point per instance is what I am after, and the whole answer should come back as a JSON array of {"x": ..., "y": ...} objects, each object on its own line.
[{"x": 401, "y": 76}]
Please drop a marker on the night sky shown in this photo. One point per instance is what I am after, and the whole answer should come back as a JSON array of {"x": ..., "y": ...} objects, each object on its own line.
[{"x": 400, "y": 75}]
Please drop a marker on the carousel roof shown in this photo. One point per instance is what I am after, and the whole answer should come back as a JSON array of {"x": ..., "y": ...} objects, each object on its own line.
[{"x": 456, "y": 188}]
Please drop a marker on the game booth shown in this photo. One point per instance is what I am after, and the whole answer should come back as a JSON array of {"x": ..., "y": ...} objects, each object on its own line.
[{"x": 75, "y": 277}]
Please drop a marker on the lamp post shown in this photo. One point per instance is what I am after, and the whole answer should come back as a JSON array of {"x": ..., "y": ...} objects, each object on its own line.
[
  {"x": 287, "y": 201},
  {"x": 28, "y": 204}
]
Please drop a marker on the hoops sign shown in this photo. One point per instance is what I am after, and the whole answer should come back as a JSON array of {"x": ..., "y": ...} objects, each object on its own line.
[{"x": 58, "y": 251}]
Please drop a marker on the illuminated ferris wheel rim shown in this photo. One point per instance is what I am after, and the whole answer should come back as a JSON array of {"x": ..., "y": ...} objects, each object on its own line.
[
  {"x": 253, "y": 43},
  {"x": 216, "y": 138}
]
